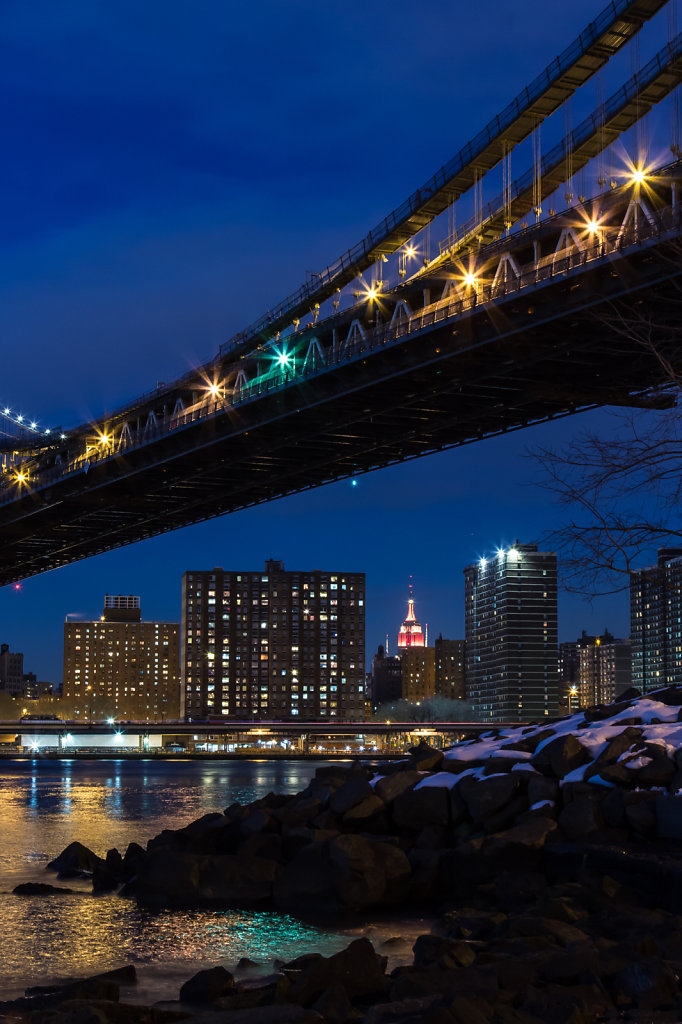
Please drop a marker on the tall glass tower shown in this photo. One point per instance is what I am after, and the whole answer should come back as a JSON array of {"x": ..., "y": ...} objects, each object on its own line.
[{"x": 511, "y": 634}]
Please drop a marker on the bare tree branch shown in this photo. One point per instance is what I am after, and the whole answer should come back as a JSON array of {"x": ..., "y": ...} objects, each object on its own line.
[{"x": 622, "y": 493}]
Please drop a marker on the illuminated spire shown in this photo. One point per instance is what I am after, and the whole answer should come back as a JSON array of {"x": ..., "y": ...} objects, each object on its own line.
[{"x": 410, "y": 634}]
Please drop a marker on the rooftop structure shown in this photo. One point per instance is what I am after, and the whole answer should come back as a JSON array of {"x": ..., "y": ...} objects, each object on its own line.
[{"x": 411, "y": 633}]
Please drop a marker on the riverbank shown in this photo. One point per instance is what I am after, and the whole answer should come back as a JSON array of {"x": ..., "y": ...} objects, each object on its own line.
[{"x": 549, "y": 855}]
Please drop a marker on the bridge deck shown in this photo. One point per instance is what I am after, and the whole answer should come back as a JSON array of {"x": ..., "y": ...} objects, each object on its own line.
[
  {"x": 605, "y": 36},
  {"x": 491, "y": 358}
]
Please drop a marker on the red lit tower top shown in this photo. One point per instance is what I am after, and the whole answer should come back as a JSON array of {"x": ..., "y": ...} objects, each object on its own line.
[{"x": 410, "y": 634}]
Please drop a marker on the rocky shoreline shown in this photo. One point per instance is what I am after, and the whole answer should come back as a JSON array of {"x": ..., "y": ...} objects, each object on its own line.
[{"x": 548, "y": 855}]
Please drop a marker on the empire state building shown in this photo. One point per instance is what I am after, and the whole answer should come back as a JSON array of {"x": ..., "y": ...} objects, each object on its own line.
[{"x": 410, "y": 634}]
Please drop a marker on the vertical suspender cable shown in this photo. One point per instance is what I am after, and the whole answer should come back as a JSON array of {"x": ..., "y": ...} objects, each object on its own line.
[
  {"x": 537, "y": 177},
  {"x": 568, "y": 139},
  {"x": 675, "y": 95}
]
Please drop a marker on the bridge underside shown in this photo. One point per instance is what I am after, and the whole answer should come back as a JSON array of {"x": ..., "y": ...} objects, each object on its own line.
[{"x": 542, "y": 353}]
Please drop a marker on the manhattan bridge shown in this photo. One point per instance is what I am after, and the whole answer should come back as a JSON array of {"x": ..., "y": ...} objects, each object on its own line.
[{"x": 396, "y": 350}]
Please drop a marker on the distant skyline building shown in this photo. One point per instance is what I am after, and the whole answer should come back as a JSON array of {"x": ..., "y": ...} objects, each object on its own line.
[
  {"x": 273, "y": 643},
  {"x": 411, "y": 634},
  {"x": 119, "y": 666},
  {"x": 419, "y": 673},
  {"x": 450, "y": 667},
  {"x": 569, "y": 675},
  {"x": 11, "y": 672},
  {"x": 385, "y": 678},
  {"x": 511, "y": 634},
  {"x": 656, "y": 622},
  {"x": 605, "y": 669}
]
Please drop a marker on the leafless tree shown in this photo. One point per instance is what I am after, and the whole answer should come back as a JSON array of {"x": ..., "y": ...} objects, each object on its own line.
[{"x": 623, "y": 493}]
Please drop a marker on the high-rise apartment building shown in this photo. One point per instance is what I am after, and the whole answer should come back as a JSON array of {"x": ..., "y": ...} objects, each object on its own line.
[
  {"x": 605, "y": 668},
  {"x": 273, "y": 644},
  {"x": 656, "y": 622},
  {"x": 419, "y": 673},
  {"x": 450, "y": 668},
  {"x": 11, "y": 671},
  {"x": 511, "y": 634},
  {"x": 122, "y": 667}
]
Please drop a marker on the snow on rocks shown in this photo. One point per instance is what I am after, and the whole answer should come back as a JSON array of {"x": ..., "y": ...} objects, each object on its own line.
[{"x": 408, "y": 831}]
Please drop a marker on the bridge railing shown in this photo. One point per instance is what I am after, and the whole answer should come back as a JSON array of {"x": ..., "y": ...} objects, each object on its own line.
[{"x": 603, "y": 243}]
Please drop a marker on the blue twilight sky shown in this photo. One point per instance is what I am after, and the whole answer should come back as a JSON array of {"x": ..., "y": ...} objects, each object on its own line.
[{"x": 169, "y": 170}]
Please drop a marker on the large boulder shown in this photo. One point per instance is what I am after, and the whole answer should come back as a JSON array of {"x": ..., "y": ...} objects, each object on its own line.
[
  {"x": 207, "y": 985},
  {"x": 560, "y": 756},
  {"x": 481, "y": 859},
  {"x": 416, "y": 808},
  {"x": 581, "y": 817},
  {"x": 389, "y": 787},
  {"x": 301, "y": 811},
  {"x": 358, "y": 969},
  {"x": 76, "y": 860},
  {"x": 169, "y": 878},
  {"x": 350, "y": 872},
  {"x": 353, "y": 791},
  {"x": 528, "y": 740},
  {"x": 39, "y": 889},
  {"x": 484, "y": 797},
  {"x": 640, "y": 812},
  {"x": 425, "y": 758},
  {"x": 652, "y": 767},
  {"x": 364, "y": 811},
  {"x": 670, "y": 695},
  {"x": 621, "y": 742}
]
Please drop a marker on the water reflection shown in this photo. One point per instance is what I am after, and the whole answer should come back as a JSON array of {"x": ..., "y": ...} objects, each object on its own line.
[
  {"x": 44, "y": 805},
  {"x": 81, "y": 934}
]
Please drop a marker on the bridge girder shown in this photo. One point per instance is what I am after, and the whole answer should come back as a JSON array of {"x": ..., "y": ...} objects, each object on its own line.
[{"x": 454, "y": 372}]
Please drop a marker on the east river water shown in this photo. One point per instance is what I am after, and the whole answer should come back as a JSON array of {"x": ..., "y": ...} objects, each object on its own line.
[{"x": 45, "y": 805}]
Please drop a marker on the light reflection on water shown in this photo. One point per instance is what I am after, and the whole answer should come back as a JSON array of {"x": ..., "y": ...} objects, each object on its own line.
[{"x": 44, "y": 805}]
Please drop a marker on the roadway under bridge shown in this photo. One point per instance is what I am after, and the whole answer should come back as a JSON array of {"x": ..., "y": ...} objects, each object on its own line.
[{"x": 247, "y": 738}]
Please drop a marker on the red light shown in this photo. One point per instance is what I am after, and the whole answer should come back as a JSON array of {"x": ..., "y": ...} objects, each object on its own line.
[{"x": 17, "y": 586}]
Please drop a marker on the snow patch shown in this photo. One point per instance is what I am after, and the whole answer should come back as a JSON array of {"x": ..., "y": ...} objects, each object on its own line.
[
  {"x": 638, "y": 762},
  {"x": 443, "y": 779}
]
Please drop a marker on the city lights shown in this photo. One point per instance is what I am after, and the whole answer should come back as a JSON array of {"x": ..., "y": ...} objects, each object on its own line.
[{"x": 470, "y": 279}]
